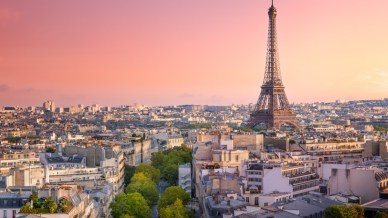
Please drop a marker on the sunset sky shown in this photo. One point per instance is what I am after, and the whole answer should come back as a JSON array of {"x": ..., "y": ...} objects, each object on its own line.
[{"x": 166, "y": 52}]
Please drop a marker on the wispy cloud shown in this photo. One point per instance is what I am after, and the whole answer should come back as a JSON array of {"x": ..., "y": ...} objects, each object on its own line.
[
  {"x": 188, "y": 95},
  {"x": 7, "y": 88},
  {"x": 4, "y": 88},
  {"x": 372, "y": 82},
  {"x": 215, "y": 98},
  {"x": 376, "y": 77},
  {"x": 32, "y": 90}
]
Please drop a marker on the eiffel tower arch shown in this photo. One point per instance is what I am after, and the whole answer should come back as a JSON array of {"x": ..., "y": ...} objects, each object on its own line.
[{"x": 272, "y": 107}]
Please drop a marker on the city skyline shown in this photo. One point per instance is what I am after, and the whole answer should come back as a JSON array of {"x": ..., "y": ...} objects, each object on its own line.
[{"x": 202, "y": 52}]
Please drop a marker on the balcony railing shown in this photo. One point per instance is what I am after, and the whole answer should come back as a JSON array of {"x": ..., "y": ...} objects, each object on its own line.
[
  {"x": 314, "y": 177},
  {"x": 304, "y": 182}
]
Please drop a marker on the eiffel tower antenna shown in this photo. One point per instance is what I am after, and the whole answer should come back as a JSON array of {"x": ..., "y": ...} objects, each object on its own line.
[{"x": 272, "y": 108}]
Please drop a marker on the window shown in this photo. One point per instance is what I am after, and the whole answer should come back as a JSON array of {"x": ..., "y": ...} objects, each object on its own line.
[
  {"x": 236, "y": 158},
  {"x": 256, "y": 200},
  {"x": 5, "y": 213},
  {"x": 247, "y": 199}
]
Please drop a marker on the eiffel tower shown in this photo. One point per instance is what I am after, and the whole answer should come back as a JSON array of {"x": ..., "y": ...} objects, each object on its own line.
[{"x": 272, "y": 108}]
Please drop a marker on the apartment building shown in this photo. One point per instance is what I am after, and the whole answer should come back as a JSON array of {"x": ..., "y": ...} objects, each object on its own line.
[
  {"x": 365, "y": 182},
  {"x": 260, "y": 178},
  {"x": 184, "y": 177}
]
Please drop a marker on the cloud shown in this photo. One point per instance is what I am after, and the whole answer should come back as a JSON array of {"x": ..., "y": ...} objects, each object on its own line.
[
  {"x": 33, "y": 90},
  {"x": 215, "y": 98},
  {"x": 187, "y": 95},
  {"x": 4, "y": 88},
  {"x": 376, "y": 77},
  {"x": 26, "y": 90},
  {"x": 373, "y": 82}
]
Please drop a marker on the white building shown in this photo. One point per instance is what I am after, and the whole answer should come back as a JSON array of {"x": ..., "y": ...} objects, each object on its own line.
[
  {"x": 266, "y": 179},
  {"x": 184, "y": 179},
  {"x": 363, "y": 182}
]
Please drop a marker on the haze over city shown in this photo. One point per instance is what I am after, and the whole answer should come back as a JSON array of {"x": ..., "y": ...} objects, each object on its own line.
[
  {"x": 188, "y": 52},
  {"x": 193, "y": 109}
]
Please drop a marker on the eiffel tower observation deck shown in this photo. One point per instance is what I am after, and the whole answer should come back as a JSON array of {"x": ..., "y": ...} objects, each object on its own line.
[{"x": 272, "y": 108}]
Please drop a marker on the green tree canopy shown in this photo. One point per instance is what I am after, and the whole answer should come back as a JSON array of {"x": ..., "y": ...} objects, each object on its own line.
[
  {"x": 49, "y": 205},
  {"x": 145, "y": 186},
  {"x": 140, "y": 177},
  {"x": 129, "y": 171},
  {"x": 344, "y": 211},
  {"x": 157, "y": 159},
  {"x": 149, "y": 171},
  {"x": 171, "y": 194},
  {"x": 34, "y": 198},
  {"x": 176, "y": 210},
  {"x": 382, "y": 214},
  {"x": 167, "y": 162},
  {"x": 170, "y": 173},
  {"x": 127, "y": 216},
  {"x": 132, "y": 204}
]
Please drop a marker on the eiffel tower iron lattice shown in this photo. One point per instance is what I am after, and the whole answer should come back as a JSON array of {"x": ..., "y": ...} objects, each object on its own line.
[{"x": 272, "y": 108}]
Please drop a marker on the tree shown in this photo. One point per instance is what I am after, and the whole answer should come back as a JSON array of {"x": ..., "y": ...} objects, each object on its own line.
[
  {"x": 359, "y": 209},
  {"x": 65, "y": 205},
  {"x": 120, "y": 206},
  {"x": 382, "y": 214},
  {"x": 175, "y": 210},
  {"x": 171, "y": 194},
  {"x": 167, "y": 162},
  {"x": 132, "y": 204},
  {"x": 145, "y": 186},
  {"x": 344, "y": 211},
  {"x": 157, "y": 159},
  {"x": 140, "y": 177},
  {"x": 34, "y": 198},
  {"x": 170, "y": 173},
  {"x": 129, "y": 171},
  {"x": 13, "y": 139},
  {"x": 149, "y": 171},
  {"x": 126, "y": 216},
  {"x": 49, "y": 205}
]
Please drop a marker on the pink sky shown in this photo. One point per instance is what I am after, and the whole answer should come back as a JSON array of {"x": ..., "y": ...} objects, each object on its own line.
[{"x": 188, "y": 52}]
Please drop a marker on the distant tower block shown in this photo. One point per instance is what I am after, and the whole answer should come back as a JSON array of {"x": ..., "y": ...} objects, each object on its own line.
[{"x": 272, "y": 108}]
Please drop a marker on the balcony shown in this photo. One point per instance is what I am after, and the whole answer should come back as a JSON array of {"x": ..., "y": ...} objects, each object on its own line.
[
  {"x": 306, "y": 182},
  {"x": 253, "y": 189},
  {"x": 301, "y": 175},
  {"x": 305, "y": 179}
]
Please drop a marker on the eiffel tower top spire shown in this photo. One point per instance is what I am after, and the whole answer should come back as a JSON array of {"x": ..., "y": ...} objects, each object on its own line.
[
  {"x": 272, "y": 7},
  {"x": 272, "y": 74}
]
